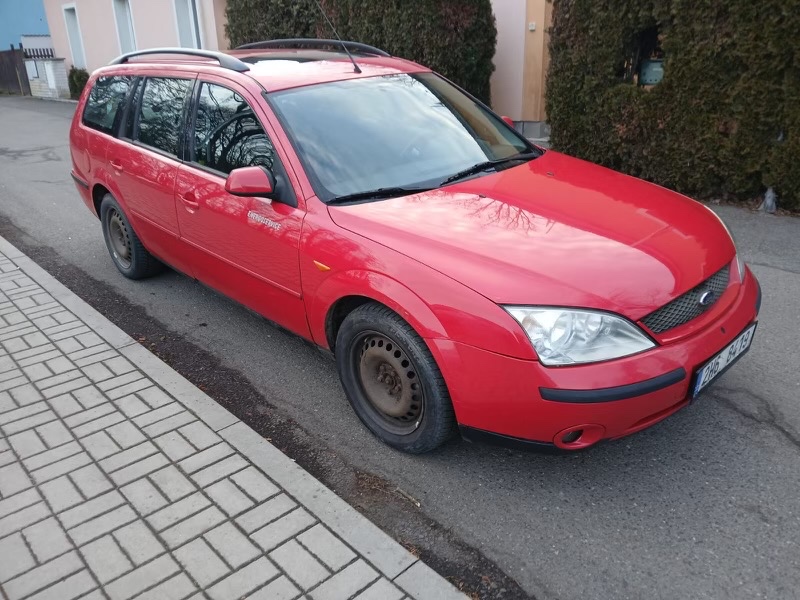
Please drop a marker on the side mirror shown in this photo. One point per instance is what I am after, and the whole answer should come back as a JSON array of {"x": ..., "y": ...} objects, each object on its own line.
[
  {"x": 509, "y": 121},
  {"x": 250, "y": 181}
]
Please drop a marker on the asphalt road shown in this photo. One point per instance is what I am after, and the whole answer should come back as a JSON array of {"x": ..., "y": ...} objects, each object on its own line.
[{"x": 704, "y": 505}]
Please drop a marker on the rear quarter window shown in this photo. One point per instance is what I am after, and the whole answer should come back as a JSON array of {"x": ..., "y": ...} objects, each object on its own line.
[{"x": 106, "y": 102}]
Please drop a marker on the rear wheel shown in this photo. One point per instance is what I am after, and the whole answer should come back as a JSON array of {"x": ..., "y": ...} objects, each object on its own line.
[
  {"x": 392, "y": 380},
  {"x": 126, "y": 250}
]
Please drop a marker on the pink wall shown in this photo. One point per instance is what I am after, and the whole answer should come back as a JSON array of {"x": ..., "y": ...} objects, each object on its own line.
[
  {"x": 154, "y": 23},
  {"x": 98, "y": 32},
  {"x": 509, "y": 58}
]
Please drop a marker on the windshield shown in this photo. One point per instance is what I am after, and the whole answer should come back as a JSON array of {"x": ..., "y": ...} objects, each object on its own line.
[{"x": 396, "y": 131}]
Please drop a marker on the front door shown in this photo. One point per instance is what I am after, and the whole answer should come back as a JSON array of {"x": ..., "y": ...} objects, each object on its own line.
[{"x": 246, "y": 247}]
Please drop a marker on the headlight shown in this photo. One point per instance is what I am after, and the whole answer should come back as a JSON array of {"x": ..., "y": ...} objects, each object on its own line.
[
  {"x": 563, "y": 336},
  {"x": 740, "y": 266}
]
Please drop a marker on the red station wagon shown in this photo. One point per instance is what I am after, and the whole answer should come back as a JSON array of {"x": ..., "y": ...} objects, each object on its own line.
[{"x": 462, "y": 277}]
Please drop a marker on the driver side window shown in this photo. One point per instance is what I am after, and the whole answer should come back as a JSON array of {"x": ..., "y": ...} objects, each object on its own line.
[{"x": 227, "y": 134}]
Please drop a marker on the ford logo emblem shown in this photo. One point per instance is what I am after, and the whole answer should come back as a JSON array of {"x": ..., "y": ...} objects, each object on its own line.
[{"x": 707, "y": 298}]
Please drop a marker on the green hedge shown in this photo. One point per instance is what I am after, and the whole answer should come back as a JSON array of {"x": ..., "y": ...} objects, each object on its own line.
[
  {"x": 454, "y": 37},
  {"x": 77, "y": 79},
  {"x": 725, "y": 120}
]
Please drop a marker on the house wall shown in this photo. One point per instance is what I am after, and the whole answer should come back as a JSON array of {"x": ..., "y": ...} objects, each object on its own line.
[
  {"x": 154, "y": 25},
  {"x": 19, "y": 17},
  {"x": 48, "y": 78}
]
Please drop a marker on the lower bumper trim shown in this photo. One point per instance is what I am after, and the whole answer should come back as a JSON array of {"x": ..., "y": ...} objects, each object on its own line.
[
  {"x": 471, "y": 434},
  {"x": 79, "y": 181},
  {"x": 611, "y": 394}
]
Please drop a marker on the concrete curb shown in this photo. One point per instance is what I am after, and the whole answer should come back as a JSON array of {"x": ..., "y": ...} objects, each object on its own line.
[{"x": 379, "y": 549}]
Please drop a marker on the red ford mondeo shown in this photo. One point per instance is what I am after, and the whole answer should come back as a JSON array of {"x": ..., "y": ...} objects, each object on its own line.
[{"x": 462, "y": 277}]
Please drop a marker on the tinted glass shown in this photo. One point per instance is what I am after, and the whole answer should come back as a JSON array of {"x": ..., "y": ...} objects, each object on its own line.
[
  {"x": 161, "y": 113},
  {"x": 227, "y": 134},
  {"x": 106, "y": 103},
  {"x": 392, "y": 131}
]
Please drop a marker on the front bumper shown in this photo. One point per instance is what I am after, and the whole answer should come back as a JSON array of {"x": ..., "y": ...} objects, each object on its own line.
[{"x": 520, "y": 402}]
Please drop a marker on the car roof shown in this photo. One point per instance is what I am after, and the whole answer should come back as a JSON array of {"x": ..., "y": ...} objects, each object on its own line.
[{"x": 281, "y": 69}]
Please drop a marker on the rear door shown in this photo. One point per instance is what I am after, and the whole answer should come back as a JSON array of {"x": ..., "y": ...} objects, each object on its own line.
[
  {"x": 247, "y": 247},
  {"x": 145, "y": 163}
]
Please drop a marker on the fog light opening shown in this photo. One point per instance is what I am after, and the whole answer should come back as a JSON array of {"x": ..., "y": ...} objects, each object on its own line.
[
  {"x": 580, "y": 436},
  {"x": 572, "y": 436}
]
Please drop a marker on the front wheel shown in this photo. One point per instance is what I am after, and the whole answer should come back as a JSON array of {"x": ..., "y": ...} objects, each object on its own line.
[{"x": 392, "y": 381}]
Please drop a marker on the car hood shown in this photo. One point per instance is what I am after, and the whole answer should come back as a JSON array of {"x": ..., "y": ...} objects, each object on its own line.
[{"x": 554, "y": 231}]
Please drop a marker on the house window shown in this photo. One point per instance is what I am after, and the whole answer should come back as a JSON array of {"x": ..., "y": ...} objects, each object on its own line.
[
  {"x": 188, "y": 22},
  {"x": 74, "y": 36},
  {"x": 122, "y": 15}
]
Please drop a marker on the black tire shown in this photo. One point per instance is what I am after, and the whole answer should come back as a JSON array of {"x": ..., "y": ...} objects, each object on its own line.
[
  {"x": 126, "y": 250},
  {"x": 372, "y": 345}
]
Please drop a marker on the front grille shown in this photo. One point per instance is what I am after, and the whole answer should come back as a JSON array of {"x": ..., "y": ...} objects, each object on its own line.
[{"x": 687, "y": 307}]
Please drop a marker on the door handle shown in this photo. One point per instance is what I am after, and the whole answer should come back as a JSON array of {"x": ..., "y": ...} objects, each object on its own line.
[
  {"x": 189, "y": 202},
  {"x": 117, "y": 165}
]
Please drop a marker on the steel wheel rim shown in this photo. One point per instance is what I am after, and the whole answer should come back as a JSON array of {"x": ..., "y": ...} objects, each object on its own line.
[
  {"x": 120, "y": 239},
  {"x": 389, "y": 382}
]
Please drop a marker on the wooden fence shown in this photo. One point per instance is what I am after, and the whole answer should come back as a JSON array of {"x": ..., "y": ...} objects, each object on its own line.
[{"x": 13, "y": 76}]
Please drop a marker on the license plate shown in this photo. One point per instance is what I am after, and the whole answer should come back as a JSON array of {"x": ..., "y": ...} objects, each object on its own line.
[{"x": 719, "y": 363}]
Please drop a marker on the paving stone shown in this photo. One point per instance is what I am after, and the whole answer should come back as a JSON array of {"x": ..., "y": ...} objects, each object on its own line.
[
  {"x": 229, "y": 497},
  {"x": 175, "y": 588},
  {"x": 192, "y": 527},
  {"x": 6, "y": 402},
  {"x": 37, "y": 371},
  {"x": 277, "y": 532},
  {"x": 25, "y": 395},
  {"x": 16, "y": 558},
  {"x": 106, "y": 559},
  {"x": 61, "y": 493},
  {"x": 265, "y": 513},
  {"x": 280, "y": 589},
  {"x": 7, "y": 457},
  {"x": 120, "y": 381},
  {"x": 130, "y": 388},
  {"x": 90, "y": 481},
  {"x": 59, "y": 380},
  {"x": 47, "y": 539},
  {"x": 13, "y": 479},
  {"x": 54, "y": 434},
  {"x": 178, "y": 511},
  {"x": 69, "y": 386},
  {"x": 201, "y": 561},
  {"x": 383, "y": 589},
  {"x": 98, "y": 372},
  {"x": 245, "y": 580},
  {"x": 346, "y": 583},
  {"x": 51, "y": 456},
  {"x": 60, "y": 365},
  {"x": 169, "y": 424},
  {"x": 127, "y": 457},
  {"x": 206, "y": 457},
  {"x": 26, "y": 443},
  {"x": 255, "y": 484},
  {"x": 61, "y": 467},
  {"x": 139, "y": 542},
  {"x": 158, "y": 414},
  {"x": 100, "y": 445},
  {"x": 42, "y": 576},
  {"x": 326, "y": 546},
  {"x": 101, "y": 525},
  {"x": 144, "y": 496},
  {"x": 298, "y": 564},
  {"x": 125, "y": 434},
  {"x": 172, "y": 483},
  {"x": 175, "y": 446},
  {"x": 217, "y": 471},
  {"x": 119, "y": 365},
  {"x": 7, "y": 384},
  {"x": 98, "y": 424},
  {"x": 91, "y": 508},
  {"x": 90, "y": 397},
  {"x": 21, "y": 413},
  {"x": 232, "y": 545},
  {"x": 28, "y": 422},
  {"x": 71, "y": 587},
  {"x": 154, "y": 397},
  {"x": 88, "y": 415},
  {"x": 131, "y": 405},
  {"x": 200, "y": 435},
  {"x": 65, "y": 405},
  {"x": 139, "y": 469},
  {"x": 142, "y": 578}
]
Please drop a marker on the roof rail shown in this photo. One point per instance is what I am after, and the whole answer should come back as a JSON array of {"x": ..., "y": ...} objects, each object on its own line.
[
  {"x": 314, "y": 43},
  {"x": 226, "y": 61}
]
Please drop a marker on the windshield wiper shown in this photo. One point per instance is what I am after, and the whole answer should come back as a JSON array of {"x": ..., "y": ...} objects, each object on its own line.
[
  {"x": 387, "y": 192},
  {"x": 486, "y": 165}
]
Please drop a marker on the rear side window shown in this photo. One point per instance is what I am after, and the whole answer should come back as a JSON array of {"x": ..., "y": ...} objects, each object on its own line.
[
  {"x": 106, "y": 103},
  {"x": 227, "y": 135},
  {"x": 160, "y": 113}
]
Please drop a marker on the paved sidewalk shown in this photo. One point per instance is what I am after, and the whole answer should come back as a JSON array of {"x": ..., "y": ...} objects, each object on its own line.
[{"x": 120, "y": 479}]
